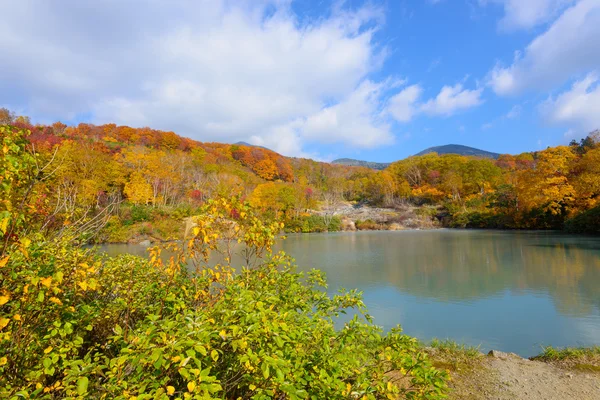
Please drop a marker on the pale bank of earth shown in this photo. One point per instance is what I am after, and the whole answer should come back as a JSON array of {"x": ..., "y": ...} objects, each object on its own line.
[
  {"x": 401, "y": 217},
  {"x": 503, "y": 376}
]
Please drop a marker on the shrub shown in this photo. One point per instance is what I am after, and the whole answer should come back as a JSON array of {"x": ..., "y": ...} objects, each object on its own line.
[
  {"x": 313, "y": 223},
  {"x": 140, "y": 213},
  {"x": 367, "y": 225},
  {"x": 76, "y": 325},
  {"x": 585, "y": 222}
]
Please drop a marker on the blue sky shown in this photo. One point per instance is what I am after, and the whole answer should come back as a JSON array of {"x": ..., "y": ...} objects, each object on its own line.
[{"x": 376, "y": 80}]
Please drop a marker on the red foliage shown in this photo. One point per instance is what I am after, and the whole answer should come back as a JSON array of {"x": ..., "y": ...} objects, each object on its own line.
[
  {"x": 234, "y": 213},
  {"x": 196, "y": 195}
]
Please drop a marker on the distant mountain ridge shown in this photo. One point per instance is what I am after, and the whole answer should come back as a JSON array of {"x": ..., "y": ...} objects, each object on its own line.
[
  {"x": 250, "y": 145},
  {"x": 359, "y": 163},
  {"x": 445, "y": 149},
  {"x": 460, "y": 150}
]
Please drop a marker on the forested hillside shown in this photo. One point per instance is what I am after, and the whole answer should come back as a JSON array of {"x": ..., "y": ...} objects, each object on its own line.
[
  {"x": 460, "y": 150},
  {"x": 131, "y": 183}
]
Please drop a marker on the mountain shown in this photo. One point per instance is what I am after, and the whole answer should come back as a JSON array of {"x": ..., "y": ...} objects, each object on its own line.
[
  {"x": 459, "y": 149},
  {"x": 359, "y": 163},
  {"x": 446, "y": 149},
  {"x": 249, "y": 145}
]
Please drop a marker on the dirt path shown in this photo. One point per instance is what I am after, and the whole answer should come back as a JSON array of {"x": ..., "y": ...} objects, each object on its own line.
[{"x": 504, "y": 376}]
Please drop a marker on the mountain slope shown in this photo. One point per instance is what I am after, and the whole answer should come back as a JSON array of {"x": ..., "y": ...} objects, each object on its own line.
[
  {"x": 459, "y": 149},
  {"x": 446, "y": 149},
  {"x": 359, "y": 163}
]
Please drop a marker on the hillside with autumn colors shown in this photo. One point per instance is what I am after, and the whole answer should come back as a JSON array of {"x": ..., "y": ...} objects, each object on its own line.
[{"x": 132, "y": 184}]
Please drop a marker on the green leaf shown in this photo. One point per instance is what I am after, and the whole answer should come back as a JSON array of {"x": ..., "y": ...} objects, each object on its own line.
[
  {"x": 82, "y": 385},
  {"x": 265, "y": 370}
]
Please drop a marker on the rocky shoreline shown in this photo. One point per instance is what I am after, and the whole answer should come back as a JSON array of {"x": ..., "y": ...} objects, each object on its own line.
[
  {"x": 353, "y": 217},
  {"x": 503, "y": 376},
  {"x": 360, "y": 216}
]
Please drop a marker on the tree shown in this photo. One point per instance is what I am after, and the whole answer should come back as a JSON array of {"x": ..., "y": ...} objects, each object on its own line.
[
  {"x": 138, "y": 190},
  {"x": 7, "y": 117},
  {"x": 266, "y": 169}
]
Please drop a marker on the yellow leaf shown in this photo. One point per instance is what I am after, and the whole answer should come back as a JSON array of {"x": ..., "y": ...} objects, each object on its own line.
[
  {"x": 48, "y": 349},
  {"x": 4, "y": 299},
  {"x": 3, "y": 261},
  {"x": 191, "y": 386},
  {"x": 3, "y": 322},
  {"x": 83, "y": 285},
  {"x": 46, "y": 281},
  {"x": 5, "y": 149},
  {"x": 170, "y": 390},
  {"x": 3, "y": 361},
  {"x": 17, "y": 317},
  {"x": 176, "y": 359},
  {"x": 4, "y": 224},
  {"x": 56, "y": 301}
]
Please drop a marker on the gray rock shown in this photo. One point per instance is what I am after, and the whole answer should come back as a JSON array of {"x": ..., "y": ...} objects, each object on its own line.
[
  {"x": 498, "y": 354},
  {"x": 145, "y": 243}
]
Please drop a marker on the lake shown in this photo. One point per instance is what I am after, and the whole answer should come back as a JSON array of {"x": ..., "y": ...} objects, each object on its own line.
[{"x": 509, "y": 291}]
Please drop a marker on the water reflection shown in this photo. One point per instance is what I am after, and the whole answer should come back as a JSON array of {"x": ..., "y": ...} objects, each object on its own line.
[
  {"x": 457, "y": 266},
  {"x": 512, "y": 291}
]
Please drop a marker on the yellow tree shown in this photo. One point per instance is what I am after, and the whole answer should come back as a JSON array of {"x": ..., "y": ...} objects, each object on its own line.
[
  {"x": 137, "y": 189},
  {"x": 266, "y": 169},
  {"x": 587, "y": 182},
  {"x": 547, "y": 185}
]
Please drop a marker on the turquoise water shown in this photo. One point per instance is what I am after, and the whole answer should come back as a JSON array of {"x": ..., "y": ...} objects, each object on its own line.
[{"x": 510, "y": 291}]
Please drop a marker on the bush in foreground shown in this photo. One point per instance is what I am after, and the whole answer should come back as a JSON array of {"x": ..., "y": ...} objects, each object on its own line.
[{"x": 184, "y": 324}]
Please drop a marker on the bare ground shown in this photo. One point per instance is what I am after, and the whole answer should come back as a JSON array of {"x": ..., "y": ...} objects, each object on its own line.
[{"x": 502, "y": 376}]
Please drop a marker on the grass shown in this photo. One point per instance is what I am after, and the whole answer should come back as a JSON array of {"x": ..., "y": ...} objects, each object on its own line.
[
  {"x": 470, "y": 377},
  {"x": 582, "y": 359},
  {"x": 553, "y": 354},
  {"x": 447, "y": 354}
]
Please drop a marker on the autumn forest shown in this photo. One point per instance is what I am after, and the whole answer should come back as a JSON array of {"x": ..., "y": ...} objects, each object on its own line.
[{"x": 139, "y": 182}]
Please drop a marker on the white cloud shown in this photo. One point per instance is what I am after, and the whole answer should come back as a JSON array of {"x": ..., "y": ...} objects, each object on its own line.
[
  {"x": 357, "y": 120},
  {"x": 210, "y": 69},
  {"x": 579, "y": 106},
  {"x": 526, "y": 14},
  {"x": 569, "y": 47},
  {"x": 514, "y": 112},
  {"x": 452, "y": 99},
  {"x": 449, "y": 101},
  {"x": 570, "y": 134},
  {"x": 487, "y": 126},
  {"x": 402, "y": 106}
]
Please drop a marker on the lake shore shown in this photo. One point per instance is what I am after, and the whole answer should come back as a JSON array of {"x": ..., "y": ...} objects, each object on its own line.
[
  {"x": 553, "y": 375},
  {"x": 343, "y": 216}
]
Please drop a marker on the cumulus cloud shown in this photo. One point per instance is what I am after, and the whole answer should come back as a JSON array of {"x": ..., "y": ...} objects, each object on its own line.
[
  {"x": 452, "y": 99},
  {"x": 357, "y": 120},
  {"x": 211, "y": 70},
  {"x": 449, "y": 101},
  {"x": 526, "y": 14},
  {"x": 578, "y": 106},
  {"x": 569, "y": 47},
  {"x": 403, "y": 106}
]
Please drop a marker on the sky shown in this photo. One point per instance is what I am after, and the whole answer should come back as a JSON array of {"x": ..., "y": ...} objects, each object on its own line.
[{"x": 373, "y": 80}]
